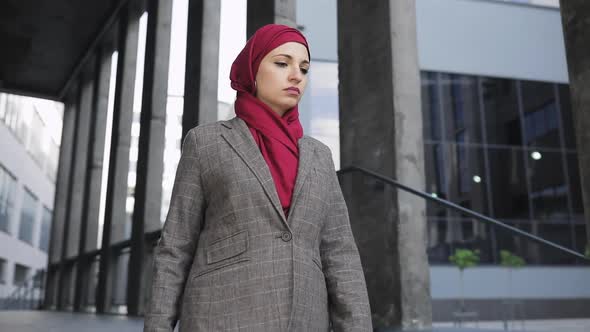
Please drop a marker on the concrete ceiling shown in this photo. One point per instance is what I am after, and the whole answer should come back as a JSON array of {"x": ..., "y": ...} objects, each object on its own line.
[{"x": 44, "y": 42}]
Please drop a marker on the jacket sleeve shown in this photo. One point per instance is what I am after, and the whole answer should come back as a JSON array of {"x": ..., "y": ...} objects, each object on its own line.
[
  {"x": 173, "y": 255},
  {"x": 349, "y": 302}
]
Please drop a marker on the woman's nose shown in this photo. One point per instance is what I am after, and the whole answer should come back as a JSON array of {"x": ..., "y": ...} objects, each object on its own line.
[{"x": 295, "y": 75}]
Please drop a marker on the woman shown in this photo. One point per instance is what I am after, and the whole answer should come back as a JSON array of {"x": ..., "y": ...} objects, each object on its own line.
[{"x": 257, "y": 237}]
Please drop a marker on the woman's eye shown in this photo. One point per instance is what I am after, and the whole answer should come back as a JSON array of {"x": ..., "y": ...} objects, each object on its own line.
[
  {"x": 281, "y": 64},
  {"x": 304, "y": 71}
]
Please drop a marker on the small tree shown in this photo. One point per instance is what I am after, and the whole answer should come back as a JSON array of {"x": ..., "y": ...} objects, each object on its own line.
[
  {"x": 464, "y": 258},
  {"x": 511, "y": 261}
]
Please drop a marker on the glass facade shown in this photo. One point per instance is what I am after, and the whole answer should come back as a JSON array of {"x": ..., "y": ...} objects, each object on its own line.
[
  {"x": 26, "y": 117},
  {"x": 20, "y": 274},
  {"x": 27, "y": 217},
  {"x": 504, "y": 148},
  {"x": 501, "y": 147},
  {"x": 45, "y": 230},
  {"x": 7, "y": 191},
  {"x": 2, "y": 271}
]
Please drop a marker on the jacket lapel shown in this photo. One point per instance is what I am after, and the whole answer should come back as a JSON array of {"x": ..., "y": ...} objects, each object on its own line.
[
  {"x": 243, "y": 143},
  {"x": 306, "y": 151}
]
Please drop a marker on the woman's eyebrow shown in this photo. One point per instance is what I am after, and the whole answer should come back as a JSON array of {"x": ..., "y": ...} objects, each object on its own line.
[{"x": 290, "y": 57}]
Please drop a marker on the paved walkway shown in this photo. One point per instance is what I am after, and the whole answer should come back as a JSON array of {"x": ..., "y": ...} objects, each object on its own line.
[
  {"x": 553, "y": 325},
  {"x": 52, "y": 321}
]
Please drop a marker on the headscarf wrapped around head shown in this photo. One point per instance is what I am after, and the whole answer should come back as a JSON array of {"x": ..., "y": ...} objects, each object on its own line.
[
  {"x": 276, "y": 136},
  {"x": 245, "y": 66}
]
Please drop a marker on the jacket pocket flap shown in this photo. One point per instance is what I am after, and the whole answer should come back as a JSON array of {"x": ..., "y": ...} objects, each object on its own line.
[{"x": 227, "y": 247}]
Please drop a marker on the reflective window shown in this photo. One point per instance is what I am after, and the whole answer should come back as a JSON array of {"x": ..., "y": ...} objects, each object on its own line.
[
  {"x": 504, "y": 148},
  {"x": 540, "y": 114},
  {"x": 501, "y": 147},
  {"x": 45, "y": 230},
  {"x": 27, "y": 217},
  {"x": 2, "y": 271},
  {"x": 500, "y": 106},
  {"x": 20, "y": 274},
  {"x": 7, "y": 190}
]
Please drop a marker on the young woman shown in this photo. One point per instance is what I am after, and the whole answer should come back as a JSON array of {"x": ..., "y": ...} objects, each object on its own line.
[{"x": 257, "y": 237}]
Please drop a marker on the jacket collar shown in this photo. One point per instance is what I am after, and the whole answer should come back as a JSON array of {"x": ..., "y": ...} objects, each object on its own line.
[{"x": 241, "y": 140}]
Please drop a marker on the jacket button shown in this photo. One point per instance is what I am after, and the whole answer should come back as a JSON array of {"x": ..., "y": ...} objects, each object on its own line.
[{"x": 286, "y": 236}]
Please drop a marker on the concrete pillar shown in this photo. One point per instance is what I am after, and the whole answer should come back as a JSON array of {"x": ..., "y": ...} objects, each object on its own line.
[
  {"x": 62, "y": 182},
  {"x": 79, "y": 168},
  {"x": 381, "y": 129},
  {"x": 576, "y": 29},
  {"x": 116, "y": 196},
  {"x": 150, "y": 165},
  {"x": 202, "y": 62},
  {"x": 265, "y": 12},
  {"x": 93, "y": 177},
  {"x": 77, "y": 188},
  {"x": 60, "y": 202},
  {"x": 63, "y": 283}
]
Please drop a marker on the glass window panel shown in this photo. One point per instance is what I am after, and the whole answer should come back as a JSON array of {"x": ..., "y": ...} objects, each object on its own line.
[
  {"x": 7, "y": 191},
  {"x": 566, "y": 116},
  {"x": 430, "y": 106},
  {"x": 539, "y": 107},
  {"x": 508, "y": 182},
  {"x": 20, "y": 274},
  {"x": 500, "y": 102},
  {"x": 2, "y": 271},
  {"x": 459, "y": 95},
  {"x": 2, "y": 106},
  {"x": 435, "y": 169},
  {"x": 548, "y": 185},
  {"x": 45, "y": 230},
  {"x": 27, "y": 218},
  {"x": 35, "y": 144},
  {"x": 575, "y": 187}
]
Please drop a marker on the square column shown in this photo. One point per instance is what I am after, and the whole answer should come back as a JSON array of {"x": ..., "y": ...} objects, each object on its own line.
[
  {"x": 150, "y": 165},
  {"x": 202, "y": 63},
  {"x": 116, "y": 196},
  {"x": 265, "y": 12},
  {"x": 381, "y": 130},
  {"x": 576, "y": 29}
]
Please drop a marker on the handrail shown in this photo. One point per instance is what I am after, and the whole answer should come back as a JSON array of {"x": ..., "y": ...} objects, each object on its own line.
[
  {"x": 478, "y": 216},
  {"x": 154, "y": 235},
  {"x": 26, "y": 287}
]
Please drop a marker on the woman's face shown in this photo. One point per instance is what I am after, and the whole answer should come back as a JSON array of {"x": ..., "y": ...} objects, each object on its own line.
[{"x": 282, "y": 77}]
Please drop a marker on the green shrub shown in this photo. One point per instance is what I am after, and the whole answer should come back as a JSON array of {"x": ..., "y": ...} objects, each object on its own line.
[
  {"x": 511, "y": 260},
  {"x": 464, "y": 258}
]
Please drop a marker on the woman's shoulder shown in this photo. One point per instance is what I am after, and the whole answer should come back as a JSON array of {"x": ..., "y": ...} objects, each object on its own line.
[
  {"x": 207, "y": 130},
  {"x": 317, "y": 144}
]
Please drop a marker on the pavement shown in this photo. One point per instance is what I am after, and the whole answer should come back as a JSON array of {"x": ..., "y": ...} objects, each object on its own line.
[{"x": 54, "y": 321}]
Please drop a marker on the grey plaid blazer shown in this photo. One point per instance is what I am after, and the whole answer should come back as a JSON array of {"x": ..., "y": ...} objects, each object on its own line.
[{"x": 228, "y": 259}]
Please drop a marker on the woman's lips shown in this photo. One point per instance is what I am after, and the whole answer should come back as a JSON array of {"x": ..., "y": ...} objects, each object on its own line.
[{"x": 293, "y": 91}]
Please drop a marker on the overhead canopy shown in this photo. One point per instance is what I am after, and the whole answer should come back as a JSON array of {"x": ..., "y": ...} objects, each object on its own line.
[{"x": 43, "y": 44}]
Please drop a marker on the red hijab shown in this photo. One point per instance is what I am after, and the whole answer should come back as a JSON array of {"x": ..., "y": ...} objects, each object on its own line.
[{"x": 276, "y": 136}]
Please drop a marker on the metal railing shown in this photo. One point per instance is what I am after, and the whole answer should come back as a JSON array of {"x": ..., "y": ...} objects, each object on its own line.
[
  {"x": 479, "y": 217},
  {"x": 27, "y": 295},
  {"x": 151, "y": 238}
]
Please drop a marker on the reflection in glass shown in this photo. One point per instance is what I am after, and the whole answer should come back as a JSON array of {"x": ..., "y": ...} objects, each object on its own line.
[
  {"x": 27, "y": 217},
  {"x": 521, "y": 171},
  {"x": 7, "y": 190}
]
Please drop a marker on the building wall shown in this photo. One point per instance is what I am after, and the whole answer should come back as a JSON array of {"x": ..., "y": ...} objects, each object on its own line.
[
  {"x": 481, "y": 41},
  {"x": 32, "y": 175},
  {"x": 491, "y": 282},
  {"x": 477, "y": 37},
  {"x": 491, "y": 38}
]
